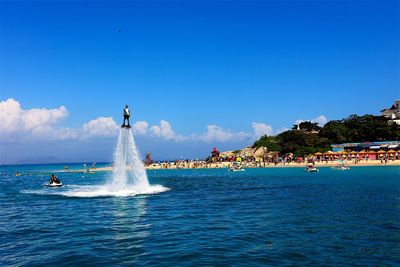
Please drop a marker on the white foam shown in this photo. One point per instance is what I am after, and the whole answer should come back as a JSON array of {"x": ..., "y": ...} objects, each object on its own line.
[
  {"x": 88, "y": 191},
  {"x": 103, "y": 191}
]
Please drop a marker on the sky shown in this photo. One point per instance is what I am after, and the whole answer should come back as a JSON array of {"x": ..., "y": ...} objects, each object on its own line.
[{"x": 196, "y": 74}]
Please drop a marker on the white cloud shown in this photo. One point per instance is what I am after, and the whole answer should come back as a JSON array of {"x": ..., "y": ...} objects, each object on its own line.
[
  {"x": 140, "y": 127},
  {"x": 261, "y": 129},
  {"x": 102, "y": 126},
  {"x": 34, "y": 118},
  {"x": 13, "y": 118},
  {"x": 39, "y": 124},
  {"x": 213, "y": 133},
  {"x": 219, "y": 134},
  {"x": 165, "y": 131},
  {"x": 321, "y": 120},
  {"x": 10, "y": 115}
]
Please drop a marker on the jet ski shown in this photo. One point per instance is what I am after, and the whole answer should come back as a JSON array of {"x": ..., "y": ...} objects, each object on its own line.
[
  {"x": 237, "y": 170},
  {"x": 341, "y": 166},
  {"x": 311, "y": 168},
  {"x": 54, "y": 185},
  {"x": 236, "y": 167}
]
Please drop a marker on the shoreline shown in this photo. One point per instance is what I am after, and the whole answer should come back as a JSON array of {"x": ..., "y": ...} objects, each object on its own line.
[{"x": 225, "y": 165}]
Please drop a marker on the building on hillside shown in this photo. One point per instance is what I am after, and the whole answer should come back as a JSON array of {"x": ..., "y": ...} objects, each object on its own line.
[
  {"x": 392, "y": 113},
  {"x": 366, "y": 150},
  {"x": 384, "y": 145}
]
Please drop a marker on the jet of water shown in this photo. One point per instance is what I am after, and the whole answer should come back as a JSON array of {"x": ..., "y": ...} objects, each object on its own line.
[{"x": 128, "y": 170}]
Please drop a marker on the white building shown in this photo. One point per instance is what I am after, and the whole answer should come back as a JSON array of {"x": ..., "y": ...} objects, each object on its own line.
[{"x": 392, "y": 113}]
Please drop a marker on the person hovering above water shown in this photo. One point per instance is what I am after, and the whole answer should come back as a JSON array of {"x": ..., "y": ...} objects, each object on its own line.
[{"x": 127, "y": 115}]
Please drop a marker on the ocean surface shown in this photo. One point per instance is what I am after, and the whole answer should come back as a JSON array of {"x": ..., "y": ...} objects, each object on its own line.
[{"x": 211, "y": 217}]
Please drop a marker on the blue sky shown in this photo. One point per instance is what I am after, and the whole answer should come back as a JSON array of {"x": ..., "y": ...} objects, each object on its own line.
[{"x": 192, "y": 64}]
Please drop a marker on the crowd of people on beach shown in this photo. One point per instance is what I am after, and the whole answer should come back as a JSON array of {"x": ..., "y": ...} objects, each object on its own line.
[
  {"x": 222, "y": 160},
  {"x": 219, "y": 160}
]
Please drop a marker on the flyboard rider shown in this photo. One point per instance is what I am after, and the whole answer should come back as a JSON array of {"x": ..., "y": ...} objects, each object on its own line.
[{"x": 127, "y": 115}]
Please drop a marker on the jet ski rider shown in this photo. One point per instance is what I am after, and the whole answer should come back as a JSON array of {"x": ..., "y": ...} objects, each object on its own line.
[{"x": 54, "y": 180}]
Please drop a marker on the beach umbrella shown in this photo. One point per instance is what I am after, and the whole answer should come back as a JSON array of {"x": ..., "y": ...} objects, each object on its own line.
[
  {"x": 318, "y": 154},
  {"x": 328, "y": 154},
  {"x": 342, "y": 154},
  {"x": 381, "y": 153},
  {"x": 391, "y": 152}
]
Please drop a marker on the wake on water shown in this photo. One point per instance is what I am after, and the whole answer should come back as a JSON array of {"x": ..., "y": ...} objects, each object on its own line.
[
  {"x": 95, "y": 191},
  {"x": 129, "y": 176}
]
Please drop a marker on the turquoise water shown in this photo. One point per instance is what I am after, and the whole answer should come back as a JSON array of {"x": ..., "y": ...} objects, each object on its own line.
[{"x": 207, "y": 217}]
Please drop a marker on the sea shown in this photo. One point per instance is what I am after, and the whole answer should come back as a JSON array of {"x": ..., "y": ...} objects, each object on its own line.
[{"x": 204, "y": 217}]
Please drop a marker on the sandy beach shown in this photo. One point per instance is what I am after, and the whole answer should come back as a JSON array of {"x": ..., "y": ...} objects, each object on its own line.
[{"x": 160, "y": 166}]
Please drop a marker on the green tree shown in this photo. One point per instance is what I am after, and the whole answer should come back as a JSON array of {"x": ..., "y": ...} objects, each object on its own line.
[
  {"x": 335, "y": 132},
  {"x": 307, "y": 126},
  {"x": 352, "y": 129},
  {"x": 270, "y": 142}
]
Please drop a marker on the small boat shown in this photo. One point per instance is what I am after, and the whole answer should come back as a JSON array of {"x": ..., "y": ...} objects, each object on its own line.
[
  {"x": 54, "y": 185},
  {"x": 237, "y": 170},
  {"x": 311, "y": 168},
  {"x": 236, "y": 167},
  {"x": 341, "y": 166}
]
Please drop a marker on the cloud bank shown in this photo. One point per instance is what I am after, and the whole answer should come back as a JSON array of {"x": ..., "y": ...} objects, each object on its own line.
[
  {"x": 32, "y": 135},
  {"x": 13, "y": 118},
  {"x": 42, "y": 124}
]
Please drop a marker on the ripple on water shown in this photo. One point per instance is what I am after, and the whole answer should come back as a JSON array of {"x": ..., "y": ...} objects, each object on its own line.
[{"x": 209, "y": 217}]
